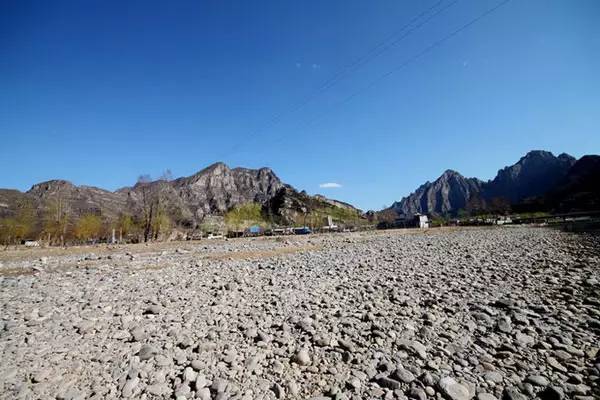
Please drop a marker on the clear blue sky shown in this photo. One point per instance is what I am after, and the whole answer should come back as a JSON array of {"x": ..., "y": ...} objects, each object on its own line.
[{"x": 99, "y": 92}]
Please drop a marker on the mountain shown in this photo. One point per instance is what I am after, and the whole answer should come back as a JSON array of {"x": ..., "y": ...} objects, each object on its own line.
[
  {"x": 451, "y": 191},
  {"x": 77, "y": 200},
  {"x": 187, "y": 200},
  {"x": 213, "y": 190},
  {"x": 577, "y": 191},
  {"x": 10, "y": 200},
  {"x": 333, "y": 202},
  {"x": 534, "y": 175}
]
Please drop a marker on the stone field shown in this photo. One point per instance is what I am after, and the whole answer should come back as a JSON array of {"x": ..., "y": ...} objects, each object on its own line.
[{"x": 458, "y": 314}]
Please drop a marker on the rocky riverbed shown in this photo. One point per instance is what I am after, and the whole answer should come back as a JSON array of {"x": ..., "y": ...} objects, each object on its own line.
[{"x": 505, "y": 313}]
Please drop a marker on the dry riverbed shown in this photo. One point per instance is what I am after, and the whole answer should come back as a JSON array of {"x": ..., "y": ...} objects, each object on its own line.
[{"x": 505, "y": 313}]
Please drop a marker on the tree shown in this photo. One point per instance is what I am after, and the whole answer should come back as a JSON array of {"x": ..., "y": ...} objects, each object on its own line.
[
  {"x": 20, "y": 226},
  {"x": 316, "y": 218},
  {"x": 499, "y": 205},
  {"x": 125, "y": 225},
  {"x": 244, "y": 216},
  {"x": 144, "y": 178},
  {"x": 8, "y": 231},
  {"x": 475, "y": 205},
  {"x": 387, "y": 216},
  {"x": 89, "y": 226},
  {"x": 167, "y": 175},
  {"x": 149, "y": 203},
  {"x": 160, "y": 224},
  {"x": 56, "y": 218},
  {"x": 212, "y": 224},
  {"x": 154, "y": 218},
  {"x": 462, "y": 213}
]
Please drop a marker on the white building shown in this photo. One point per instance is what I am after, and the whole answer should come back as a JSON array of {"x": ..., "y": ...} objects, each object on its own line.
[{"x": 421, "y": 221}]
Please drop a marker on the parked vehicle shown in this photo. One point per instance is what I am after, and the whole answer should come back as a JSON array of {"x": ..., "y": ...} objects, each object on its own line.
[{"x": 305, "y": 230}]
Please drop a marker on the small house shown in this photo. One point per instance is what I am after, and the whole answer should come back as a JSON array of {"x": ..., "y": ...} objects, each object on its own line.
[{"x": 421, "y": 221}]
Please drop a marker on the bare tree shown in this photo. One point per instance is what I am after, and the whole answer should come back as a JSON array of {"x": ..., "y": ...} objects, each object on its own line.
[
  {"x": 167, "y": 176},
  {"x": 154, "y": 218},
  {"x": 144, "y": 178},
  {"x": 57, "y": 218},
  {"x": 148, "y": 206}
]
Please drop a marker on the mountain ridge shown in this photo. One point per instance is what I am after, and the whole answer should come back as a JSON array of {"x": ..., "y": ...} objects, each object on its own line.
[
  {"x": 534, "y": 174},
  {"x": 187, "y": 200}
]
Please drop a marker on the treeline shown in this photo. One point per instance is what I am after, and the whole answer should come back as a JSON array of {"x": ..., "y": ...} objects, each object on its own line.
[
  {"x": 55, "y": 223},
  {"x": 246, "y": 215}
]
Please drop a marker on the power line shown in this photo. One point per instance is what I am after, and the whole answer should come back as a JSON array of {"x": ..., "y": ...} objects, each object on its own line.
[
  {"x": 382, "y": 47},
  {"x": 373, "y": 53},
  {"x": 411, "y": 60}
]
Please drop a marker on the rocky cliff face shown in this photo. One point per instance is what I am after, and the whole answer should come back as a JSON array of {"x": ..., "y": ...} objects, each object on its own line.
[
  {"x": 218, "y": 188},
  {"x": 449, "y": 192},
  {"x": 187, "y": 200},
  {"x": 77, "y": 200},
  {"x": 335, "y": 203},
  {"x": 10, "y": 200},
  {"x": 535, "y": 174},
  {"x": 214, "y": 190},
  {"x": 577, "y": 191}
]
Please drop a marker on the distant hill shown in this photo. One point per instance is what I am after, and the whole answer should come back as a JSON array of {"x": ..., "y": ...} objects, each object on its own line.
[
  {"x": 533, "y": 176},
  {"x": 186, "y": 201},
  {"x": 448, "y": 193},
  {"x": 578, "y": 190}
]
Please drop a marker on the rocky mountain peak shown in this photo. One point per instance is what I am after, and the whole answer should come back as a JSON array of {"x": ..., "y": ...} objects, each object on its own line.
[
  {"x": 532, "y": 175},
  {"x": 567, "y": 158},
  {"x": 537, "y": 154},
  {"x": 451, "y": 191},
  {"x": 217, "y": 168},
  {"x": 51, "y": 186},
  {"x": 450, "y": 173},
  {"x": 187, "y": 200}
]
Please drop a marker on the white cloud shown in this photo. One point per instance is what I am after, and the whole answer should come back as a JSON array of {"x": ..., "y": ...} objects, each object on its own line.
[{"x": 330, "y": 185}]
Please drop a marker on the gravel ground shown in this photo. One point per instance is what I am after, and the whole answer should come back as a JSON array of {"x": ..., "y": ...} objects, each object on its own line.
[{"x": 506, "y": 313}]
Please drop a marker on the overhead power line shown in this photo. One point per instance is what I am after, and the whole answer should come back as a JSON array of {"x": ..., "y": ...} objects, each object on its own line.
[
  {"x": 373, "y": 53},
  {"x": 410, "y": 60}
]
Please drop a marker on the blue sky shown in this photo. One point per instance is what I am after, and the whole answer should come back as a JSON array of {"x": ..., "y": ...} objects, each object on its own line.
[{"x": 99, "y": 92}]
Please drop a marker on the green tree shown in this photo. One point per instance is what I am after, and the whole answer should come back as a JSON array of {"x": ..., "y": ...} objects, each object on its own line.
[
  {"x": 89, "y": 226},
  {"x": 125, "y": 225},
  {"x": 244, "y": 216},
  {"x": 21, "y": 226},
  {"x": 8, "y": 231},
  {"x": 161, "y": 224}
]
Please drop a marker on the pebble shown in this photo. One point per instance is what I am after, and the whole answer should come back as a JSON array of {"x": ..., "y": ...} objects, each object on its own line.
[
  {"x": 147, "y": 352},
  {"x": 387, "y": 315},
  {"x": 537, "y": 380},
  {"x": 454, "y": 390},
  {"x": 302, "y": 357}
]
